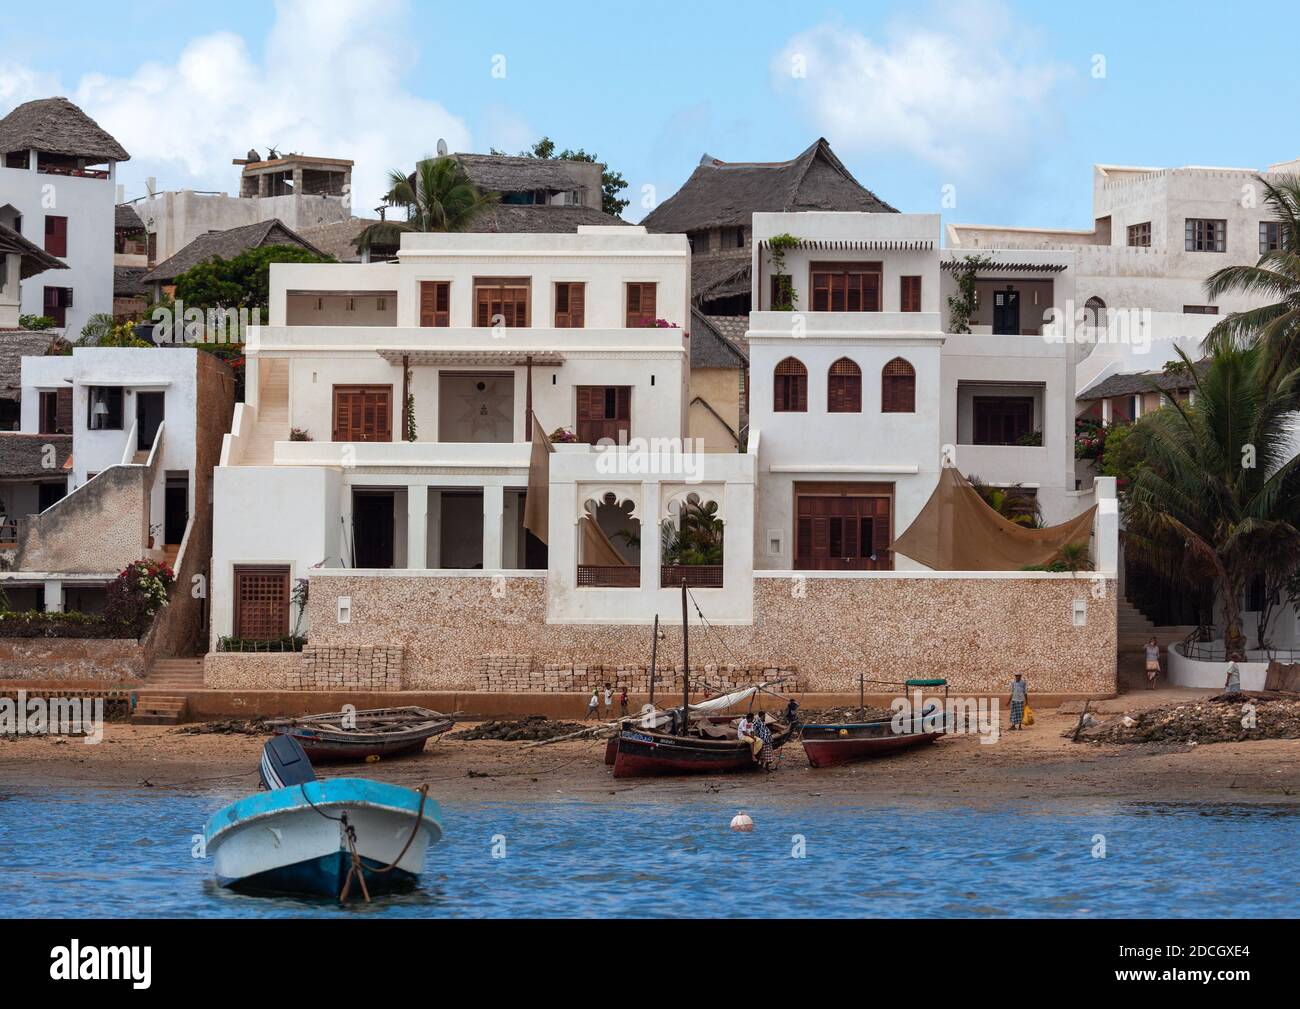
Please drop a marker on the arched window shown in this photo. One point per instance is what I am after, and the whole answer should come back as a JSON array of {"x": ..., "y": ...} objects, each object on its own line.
[
  {"x": 1094, "y": 312},
  {"x": 790, "y": 385},
  {"x": 844, "y": 387},
  {"x": 898, "y": 387}
]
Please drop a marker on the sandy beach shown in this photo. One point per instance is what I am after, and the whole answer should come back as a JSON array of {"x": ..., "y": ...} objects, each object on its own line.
[{"x": 1037, "y": 764}]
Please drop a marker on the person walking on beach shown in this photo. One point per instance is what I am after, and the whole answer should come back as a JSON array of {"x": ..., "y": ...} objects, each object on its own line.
[
  {"x": 609, "y": 700},
  {"x": 593, "y": 705},
  {"x": 622, "y": 701},
  {"x": 1019, "y": 696},
  {"x": 1153, "y": 662},
  {"x": 1232, "y": 683}
]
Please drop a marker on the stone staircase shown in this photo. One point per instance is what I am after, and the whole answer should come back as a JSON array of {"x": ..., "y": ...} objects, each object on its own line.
[
  {"x": 163, "y": 698},
  {"x": 272, "y": 415},
  {"x": 1133, "y": 631}
]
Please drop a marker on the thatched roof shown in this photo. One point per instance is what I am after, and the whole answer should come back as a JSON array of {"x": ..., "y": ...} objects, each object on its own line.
[
  {"x": 1135, "y": 383},
  {"x": 20, "y": 343},
  {"x": 126, "y": 219},
  {"x": 56, "y": 126},
  {"x": 723, "y": 194},
  {"x": 22, "y": 455},
  {"x": 710, "y": 348},
  {"x": 719, "y": 274},
  {"x": 541, "y": 219},
  {"x": 34, "y": 259},
  {"x": 338, "y": 238},
  {"x": 128, "y": 282},
  {"x": 505, "y": 174},
  {"x": 226, "y": 245}
]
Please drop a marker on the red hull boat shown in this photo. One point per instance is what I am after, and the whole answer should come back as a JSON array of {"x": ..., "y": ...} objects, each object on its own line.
[{"x": 829, "y": 744}]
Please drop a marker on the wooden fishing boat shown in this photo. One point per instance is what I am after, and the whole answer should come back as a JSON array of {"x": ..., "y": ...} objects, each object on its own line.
[
  {"x": 828, "y": 744},
  {"x": 379, "y": 732},
  {"x": 334, "y": 838},
  {"x": 644, "y": 752}
]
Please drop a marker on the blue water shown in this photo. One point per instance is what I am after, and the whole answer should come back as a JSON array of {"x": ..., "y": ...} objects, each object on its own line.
[{"x": 113, "y": 853}]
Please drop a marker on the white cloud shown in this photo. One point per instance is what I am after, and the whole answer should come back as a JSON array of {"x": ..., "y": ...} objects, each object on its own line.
[
  {"x": 329, "y": 83},
  {"x": 961, "y": 87}
]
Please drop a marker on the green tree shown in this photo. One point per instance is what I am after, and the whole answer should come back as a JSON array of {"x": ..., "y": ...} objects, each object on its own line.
[
  {"x": 1217, "y": 497},
  {"x": 437, "y": 196},
  {"x": 1275, "y": 279},
  {"x": 243, "y": 281},
  {"x": 1014, "y": 503},
  {"x": 611, "y": 183}
]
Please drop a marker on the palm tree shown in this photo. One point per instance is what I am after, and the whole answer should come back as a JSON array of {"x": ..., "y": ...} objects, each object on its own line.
[
  {"x": 1218, "y": 498},
  {"x": 438, "y": 196},
  {"x": 1275, "y": 278},
  {"x": 1013, "y": 503}
]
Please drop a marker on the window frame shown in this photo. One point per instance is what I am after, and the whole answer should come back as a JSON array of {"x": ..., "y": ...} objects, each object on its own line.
[
  {"x": 115, "y": 397},
  {"x": 502, "y": 285},
  {"x": 844, "y": 388},
  {"x": 909, "y": 293},
  {"x": 641, "y": 286},
  {"x": 56, "y": 241},
  {"x": 355, "y": 389},
  {"x": 1266, "y": 243},
  {"x": 590, "y": 429},
  {"x": 1205, "y": 234},
  {"x": 824, "y": 277},
  {"x": 570, "y": 318},
  {"x": 790, "y": 387},
  {"x": 1139, "y": 235},
  {"x": 898, "y": 388}
]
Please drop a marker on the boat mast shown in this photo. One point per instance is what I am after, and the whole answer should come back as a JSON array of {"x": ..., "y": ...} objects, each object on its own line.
[
  {"x": 686, "y": 664},
  {"x": 654, "y": 652}
]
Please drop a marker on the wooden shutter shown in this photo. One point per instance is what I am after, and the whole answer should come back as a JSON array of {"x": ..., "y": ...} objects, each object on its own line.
[
  {"x": 898, "y": 387},
  {"x": 604, "y": 411},
  {"x": 63, "y": 411},
  {"x": 56, "y": 236},
  {"x": 790, "y": 387},
  {"x": 570, "y": 305},
  {"x": 435, "y": 303},
  {"x": 909, "y": 295},
  {"x": 641, "y": 308},
  {"x": 261, "y": 602},
  {"x": 844, "y": 387},
  {"x": 363, "y": 413}
]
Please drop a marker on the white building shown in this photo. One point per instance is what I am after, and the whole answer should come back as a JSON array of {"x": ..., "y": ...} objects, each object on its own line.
[
  {"x": 57, "y": 188},
  {"x": 1157, "y": 235},
  {"x": 112, "y": 462},
  {"x": 862, "y": 392},
  {"x": 386, "y": 416}
]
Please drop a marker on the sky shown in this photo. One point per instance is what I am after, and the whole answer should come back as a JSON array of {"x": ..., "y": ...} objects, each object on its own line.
[{"x": 987, "y": 111}]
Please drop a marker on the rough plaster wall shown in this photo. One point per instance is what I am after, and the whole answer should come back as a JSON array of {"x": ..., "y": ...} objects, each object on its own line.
[
  {"x": 90, "y": 659},
  {"x": 720, "y": 388},
  {"x": 974, "y": 632},
  {"x": 101, "y": 527}
]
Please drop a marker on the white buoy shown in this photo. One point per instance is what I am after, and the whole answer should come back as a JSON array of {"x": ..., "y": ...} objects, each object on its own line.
[{"x": 742, "y": 822}]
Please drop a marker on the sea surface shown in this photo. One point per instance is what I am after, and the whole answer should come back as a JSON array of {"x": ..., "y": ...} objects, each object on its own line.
[{"x": 121, "y": 853}]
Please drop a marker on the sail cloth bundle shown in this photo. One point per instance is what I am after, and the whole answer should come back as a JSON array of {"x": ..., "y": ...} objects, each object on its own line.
[
  {"x": 958, "y": 531},
  {"x": 537, "y": 503}
]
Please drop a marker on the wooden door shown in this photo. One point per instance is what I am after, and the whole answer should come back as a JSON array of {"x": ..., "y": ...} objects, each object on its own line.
[
  {"x": 363, "y": 413},
  {"x": 846, "y": 531},
  {"x": 261, "y": 601},
  {"x": 604, "y": 411},
  {"x": 1006, "y": 312}
]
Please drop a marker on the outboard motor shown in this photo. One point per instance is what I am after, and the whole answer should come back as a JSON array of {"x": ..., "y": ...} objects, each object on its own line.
[{"x": 285, "y": 763}]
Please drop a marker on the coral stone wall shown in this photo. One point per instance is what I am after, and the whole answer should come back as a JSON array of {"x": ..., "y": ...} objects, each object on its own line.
[
  {"x": 489, "y": 633},
  {"x": 102, "y": 526},
  {"x": 111, "y": 660}
]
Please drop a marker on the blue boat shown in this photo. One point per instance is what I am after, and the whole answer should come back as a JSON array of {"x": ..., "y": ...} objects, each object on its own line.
[{"x": 341, "y": 837}]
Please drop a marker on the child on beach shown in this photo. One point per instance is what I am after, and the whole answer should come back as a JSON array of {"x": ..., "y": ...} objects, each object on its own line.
[
  {"x": 1153, "y": 662},
  {"x": 622, "y": 702},
  {"x": 593, "y": 705},
  {"x": 609, "y": 700},
  {"x": 1232, "y": 684},
  {"x": 1019, "y": 695}
]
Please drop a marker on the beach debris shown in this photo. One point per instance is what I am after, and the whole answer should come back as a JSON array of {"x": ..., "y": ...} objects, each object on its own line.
[
  {"x": 226, "y": 727},
  {"x": 742, "y": 822},
  {"x": 1225, "y": 718},
  {"x": 530, "y": 728}
]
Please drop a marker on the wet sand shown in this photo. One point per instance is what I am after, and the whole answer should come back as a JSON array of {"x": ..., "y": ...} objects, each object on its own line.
[{"x": 1034, "y": 765}]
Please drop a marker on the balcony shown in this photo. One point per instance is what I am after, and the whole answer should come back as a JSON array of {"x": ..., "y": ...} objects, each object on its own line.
[
  {"x": 456, "y": 346},
  {"x": 843, "y": 325},
  {"x": 413, "y": 454}
]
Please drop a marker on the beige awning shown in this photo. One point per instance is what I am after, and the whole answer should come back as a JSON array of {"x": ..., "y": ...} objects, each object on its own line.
[
  {"x": 537, "y": 503},
  {"x": 470, "y": 358}
]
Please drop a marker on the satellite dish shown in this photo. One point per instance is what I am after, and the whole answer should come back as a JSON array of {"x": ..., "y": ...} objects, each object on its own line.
[{"x": 442, "y": 148}]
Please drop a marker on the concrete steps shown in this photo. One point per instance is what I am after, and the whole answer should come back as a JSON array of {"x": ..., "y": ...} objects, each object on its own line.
[
  {"x": 159, "y": 709},
  {"x": 1134, "y": 630},
  {"x": 175, "y": 674},
  {"x": 272, "y": 415}
]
